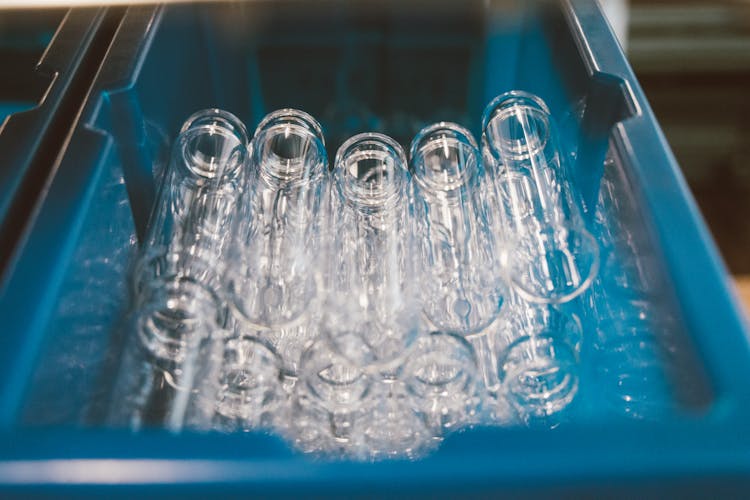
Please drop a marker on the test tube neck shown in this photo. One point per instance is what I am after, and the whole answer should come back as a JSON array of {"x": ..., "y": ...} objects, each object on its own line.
[
  {"x": 371, "y": 172},
  {"x": 444, "y": 158},
  {"x": 516, "y": 125},
  {"x": 289, "y": 146},
  {"x": 212, "y": 145}
]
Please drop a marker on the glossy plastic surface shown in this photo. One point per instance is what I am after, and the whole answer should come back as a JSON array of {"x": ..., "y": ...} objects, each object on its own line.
[
  {"x": 662, "y": 399},
  {"x": 37, "y": 102}
]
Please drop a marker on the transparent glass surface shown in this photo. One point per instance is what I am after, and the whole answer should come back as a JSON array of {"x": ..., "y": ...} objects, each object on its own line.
[
  {"x": 332, "y": 396},
  {"x": 168, "y": 335},
  {"x": 459, "y": 257},
  {"x": 276, "y": 243},
  {"x": 273, "y": 273},
  {"x": 240, "y": 387},
  {"x": 176, "y": 303},
  {"x": 538, "y": 358},
  {"x": 188, "y": 229},
  {"x": 442, "y": 377},
  {"x": 371, "y": 296},
  {"x": 552, "y": 257}
]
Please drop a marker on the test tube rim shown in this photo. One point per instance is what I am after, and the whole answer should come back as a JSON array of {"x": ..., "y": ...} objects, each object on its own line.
[
  {"x": 226, "y": 124},
  {"x": 415, "y": 153},
  {"x": 390, "y": 145},
  {"x": 498, "y": 105},
  {"x": 306, "y": 119}
]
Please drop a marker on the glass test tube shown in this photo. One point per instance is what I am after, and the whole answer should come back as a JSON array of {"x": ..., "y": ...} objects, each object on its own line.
[
  {"x": 442, "y": 378},
  {"x": 177, "y": 307},
  {"x": 241, "y": 387},
  {"x": 552, "y": 258},
  {"x": 343, "y": 410},
  {"x": 275, "y": 257},
  {"x": 538, "y": 358},
  {"x": 194, "y": 210},
  {"x": 393, "y": 424},
  {"x": 460, "y": 275},
  {"x": 154, "y": 385},
  {"x": 333, "y": 392},
  {"x": 371, "y": 289},
  {"x": 270, "y": 279},
  {"x": 186, "y": 238}
]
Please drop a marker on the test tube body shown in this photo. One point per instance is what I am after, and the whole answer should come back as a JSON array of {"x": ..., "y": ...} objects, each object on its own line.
[
  {"x": 371, "y": 286},
  {"x": 271, "y": 279},
  {"x": 538, "y": 359},
  {"x": 444, "y": 382},
  {"x": 551, "y": 257},
  {"x": 177, "y": 305},
  {"x": 460, "y": 273},
  {"x": 272, "y": 275},
  {"x": 188, "y": 230}
]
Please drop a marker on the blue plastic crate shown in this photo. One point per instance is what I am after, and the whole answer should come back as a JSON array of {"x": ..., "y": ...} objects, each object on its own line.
[
  {"x": 389, "y": 68},
  {"x": 37, "y": 104}
]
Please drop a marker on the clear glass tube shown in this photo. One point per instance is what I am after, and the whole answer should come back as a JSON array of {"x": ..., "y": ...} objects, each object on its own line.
[
  {"x": 551, "y": 258},
  {"x": 538, "y": 358},
  {"x": 393, "y": 425},
  {"x": 177, "y": 308},
  {"x": 342, "y": 410},
  {"x": 442, "y": 377},
  {"x": 273, "y": 275},
  {"x": 335, "y": 390},
  {"x": 276, "y": 243},
  {"x": 309, "y": 428},
  {"x": 243, "y": 390},
  {"x": 460, "y": 274},
  {"x": 186, "y": 238},
  {"x": 154, "y": 385},
  {"x": 371, "y": 297},
  {"x": 195, "y": 207}
]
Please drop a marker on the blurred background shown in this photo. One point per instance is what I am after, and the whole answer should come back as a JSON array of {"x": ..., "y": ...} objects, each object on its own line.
[{"x": 692, "y": 59}]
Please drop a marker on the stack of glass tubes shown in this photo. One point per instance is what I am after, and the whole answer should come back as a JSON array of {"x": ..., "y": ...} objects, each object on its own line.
[{"x": 365, "y": 310}]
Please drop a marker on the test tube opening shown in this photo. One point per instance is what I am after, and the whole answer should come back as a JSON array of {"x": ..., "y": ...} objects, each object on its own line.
[
  {"x": 540, "y": 374},
  {"x": 516, "y": 125},
  {"x": 443, "y": 377},
  {"x": 444, "y": 157},
  {"x": 249, "y": 385},
  {"x": 332, "y": 380},
  {"x": 371, "y": 170},
  {"x": 212, "y": 144},
  {"x": 288, "y": 144},
  {"x": 538, "y": 361}
]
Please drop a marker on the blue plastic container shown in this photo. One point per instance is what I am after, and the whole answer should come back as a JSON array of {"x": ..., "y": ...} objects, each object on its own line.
[
  {"x": 38, "y": 103},
  {"x": 675, "y": 419}
]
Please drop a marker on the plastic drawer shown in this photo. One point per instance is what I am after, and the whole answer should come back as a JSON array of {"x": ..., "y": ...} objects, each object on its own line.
[
  {"x": 38, "y": 102},
  {"x": 390, "y": 68}
]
